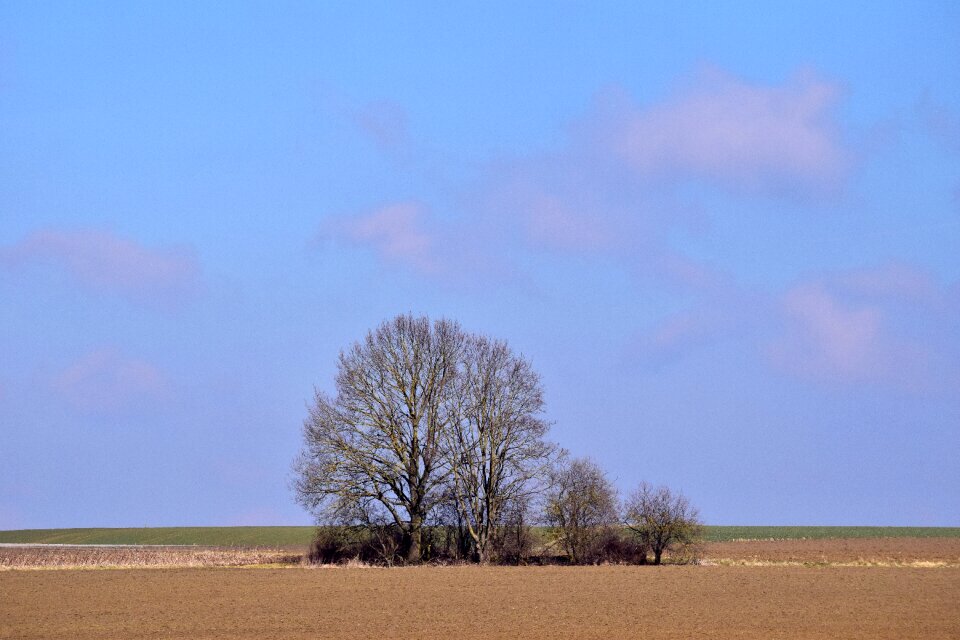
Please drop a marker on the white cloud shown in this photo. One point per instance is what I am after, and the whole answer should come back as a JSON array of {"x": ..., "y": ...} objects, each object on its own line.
[{"x": 105, "y": 262}]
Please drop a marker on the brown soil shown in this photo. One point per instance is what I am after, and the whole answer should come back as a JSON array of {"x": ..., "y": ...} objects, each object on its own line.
[
  {"x": 857, "y": 551},
  {"x": 474, "y": 602}
]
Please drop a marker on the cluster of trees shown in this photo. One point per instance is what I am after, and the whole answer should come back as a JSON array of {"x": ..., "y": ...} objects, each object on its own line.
[
  {"x": 594, "y": 526},
  {"x": 435, "y": 447}
]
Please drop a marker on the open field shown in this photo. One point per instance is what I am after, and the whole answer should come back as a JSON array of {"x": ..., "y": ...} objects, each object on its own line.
[
  {"x": 916, "y": 552},
  {"x": 496, "y": 602},
  {"x": 202, "y": 536},
  {"x": 814, "y": 588},
  {"x": 725, "y": 533},
  {"x": 920, "y": 552},
  {"x": 300, "y": 536}
]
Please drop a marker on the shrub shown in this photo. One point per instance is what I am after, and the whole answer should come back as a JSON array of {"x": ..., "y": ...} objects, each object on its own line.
[{"x": 340, "y": 544}]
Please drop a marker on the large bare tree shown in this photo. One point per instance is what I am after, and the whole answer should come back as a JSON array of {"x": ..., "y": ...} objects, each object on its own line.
[
  {"x": 496, "y": 445},
  {"x": 377, "y": 447}
]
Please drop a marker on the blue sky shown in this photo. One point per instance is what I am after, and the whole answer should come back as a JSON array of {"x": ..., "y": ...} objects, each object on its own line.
[{"x": 726, "y": 235}]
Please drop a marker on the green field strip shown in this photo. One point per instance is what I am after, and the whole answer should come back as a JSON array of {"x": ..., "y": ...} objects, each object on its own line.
[
  {"x": 725, "y": 533},
  {"x": 301, "y": 536},
  {"x": 201, "y": 536}
]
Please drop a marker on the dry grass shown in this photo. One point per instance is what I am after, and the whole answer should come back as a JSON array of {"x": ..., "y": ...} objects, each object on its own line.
[
  {"x": 49, "y": 557},
  {"x": 862, "y": 552}
]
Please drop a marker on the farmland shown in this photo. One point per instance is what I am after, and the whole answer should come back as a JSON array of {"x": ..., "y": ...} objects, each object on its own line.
[
  {"x": 726, "y": 533},
  {"x": 802, "y": 587},
  {"x": 201, "y": 536},
  {"x": 494, "y": 602},
  {"x": 813, "y": 552},
  {"x": 300, "y": 536}
]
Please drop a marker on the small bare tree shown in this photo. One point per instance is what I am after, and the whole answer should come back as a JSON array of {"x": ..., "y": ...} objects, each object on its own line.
[
  {"x": 377, "y": 446},
  {"x": 662, "y": 520},
  {"x": 496, "y": 445},
  {"x": 582, "y": 504}
]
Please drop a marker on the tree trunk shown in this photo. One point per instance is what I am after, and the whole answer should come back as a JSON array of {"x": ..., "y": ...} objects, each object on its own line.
[
  {"x": 412, "y": 555},
  {"x": 656, "y": 555},
  {"x": 483, "y": 552}
]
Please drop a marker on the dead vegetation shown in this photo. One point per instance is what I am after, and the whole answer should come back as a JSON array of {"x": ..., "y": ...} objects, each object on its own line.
[
  {"x": 338, "y": 547},
  {"x": 56, "y": 557}
]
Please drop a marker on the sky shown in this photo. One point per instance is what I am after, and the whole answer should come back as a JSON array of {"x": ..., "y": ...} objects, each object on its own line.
[{"x": 726, "y": 235}]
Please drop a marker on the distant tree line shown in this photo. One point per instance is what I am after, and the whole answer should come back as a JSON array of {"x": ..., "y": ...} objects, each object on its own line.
[{"x": 435, "y": 448}]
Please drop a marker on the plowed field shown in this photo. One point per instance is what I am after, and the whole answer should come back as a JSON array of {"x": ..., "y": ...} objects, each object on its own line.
[
  {"x": 850, "y": 551},
  {"x": 473, "y": 602}
]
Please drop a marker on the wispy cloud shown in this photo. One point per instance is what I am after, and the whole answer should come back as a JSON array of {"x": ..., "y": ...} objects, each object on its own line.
[
  {"x": 686, "y": 331},
  {"x": 616, "y": 186},
  {"x": 395, "y": 232},
  {"x": 552, "y": 223},
  {"x": 104, "y": 262},
  {"x": 889, "y": 326},
  {"x": 108, "y": 381},
  {"x": 736, "y": 134},
  {"x": 826, "y": 338},
  {"x": 406, "y": 235}
]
